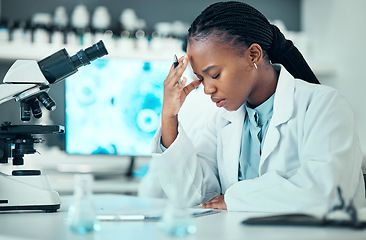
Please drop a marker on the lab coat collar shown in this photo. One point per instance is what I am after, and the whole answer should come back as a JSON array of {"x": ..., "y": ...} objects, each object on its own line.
[
  {"x": 283, "y": 105},
  {"x": 232, "y": 116},
  {"x": 231, "y": 131}
]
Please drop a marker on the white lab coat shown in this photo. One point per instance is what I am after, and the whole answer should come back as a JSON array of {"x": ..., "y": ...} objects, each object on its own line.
[{"x": 311, "y": 147}]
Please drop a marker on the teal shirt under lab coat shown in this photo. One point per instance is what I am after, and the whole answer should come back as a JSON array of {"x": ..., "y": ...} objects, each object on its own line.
[{"x": 255, "y": 127}]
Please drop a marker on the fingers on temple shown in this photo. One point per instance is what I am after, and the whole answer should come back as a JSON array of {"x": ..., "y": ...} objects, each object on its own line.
[{"x": 191, "y": 86}]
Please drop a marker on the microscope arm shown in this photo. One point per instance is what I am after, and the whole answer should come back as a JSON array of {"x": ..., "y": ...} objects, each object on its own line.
[
  {"x": 11, "y": 91},
  {"x": 22, "y": 81}
]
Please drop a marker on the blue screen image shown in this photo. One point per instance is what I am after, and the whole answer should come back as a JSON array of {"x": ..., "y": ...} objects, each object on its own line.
[{"x": 113, "y": 106}]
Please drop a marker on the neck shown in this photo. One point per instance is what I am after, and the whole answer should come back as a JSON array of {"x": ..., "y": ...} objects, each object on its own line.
[{"x": 265, "y": 87}]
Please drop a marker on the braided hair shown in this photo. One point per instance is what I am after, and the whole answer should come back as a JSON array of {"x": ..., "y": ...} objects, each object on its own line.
[{"x": 239, "y": 24}]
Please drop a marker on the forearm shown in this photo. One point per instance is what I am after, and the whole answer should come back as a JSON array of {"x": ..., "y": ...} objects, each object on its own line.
[
  {"x": 169, "y": 126},
  {"x": 179, "y": 168},
  {"x": 175, "y": 93}
]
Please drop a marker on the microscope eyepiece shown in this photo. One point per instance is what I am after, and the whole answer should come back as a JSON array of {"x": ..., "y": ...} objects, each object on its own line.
[
  {"x": 60, "y": 65},
  {"x": 84, "y": 57},
  {"x": 97, "y": 50}
]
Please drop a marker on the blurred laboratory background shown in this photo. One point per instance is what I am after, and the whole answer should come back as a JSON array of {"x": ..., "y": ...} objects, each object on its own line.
[{"x": 111, "y": 109}]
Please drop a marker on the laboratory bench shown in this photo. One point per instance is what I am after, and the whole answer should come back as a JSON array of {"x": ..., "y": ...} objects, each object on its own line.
[
  {"x": 113, "y": 191},
  {"x": 222, "y": 225}
]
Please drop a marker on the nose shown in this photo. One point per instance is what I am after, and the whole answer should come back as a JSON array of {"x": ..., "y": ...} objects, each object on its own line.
[{"x": 209, "y": 87}]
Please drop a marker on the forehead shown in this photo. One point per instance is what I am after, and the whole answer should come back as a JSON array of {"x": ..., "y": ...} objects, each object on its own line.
[
  {"x": 210, "y": 51},
  {"x": 206, "y": 46}
]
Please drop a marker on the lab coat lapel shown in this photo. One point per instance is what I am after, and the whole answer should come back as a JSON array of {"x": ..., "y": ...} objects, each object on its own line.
[
  {"x": 283, "y": 107},
  {"x": 231, "y": 140}
]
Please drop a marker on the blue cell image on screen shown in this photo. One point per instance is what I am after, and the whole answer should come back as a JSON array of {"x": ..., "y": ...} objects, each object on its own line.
[{"x": 113, "y": 106}]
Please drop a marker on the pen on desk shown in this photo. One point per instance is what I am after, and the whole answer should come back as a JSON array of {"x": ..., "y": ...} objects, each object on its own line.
[{"x": 127, "y": 217}]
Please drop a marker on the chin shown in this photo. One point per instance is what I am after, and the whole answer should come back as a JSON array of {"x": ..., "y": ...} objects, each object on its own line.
[{"x": 231, "y": 108}]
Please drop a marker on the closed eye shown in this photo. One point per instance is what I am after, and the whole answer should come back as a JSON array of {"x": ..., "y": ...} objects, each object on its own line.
[{"x": 215, "y": 77}]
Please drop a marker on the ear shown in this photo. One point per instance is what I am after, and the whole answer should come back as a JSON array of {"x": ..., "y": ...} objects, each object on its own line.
[{"x": 256, "y": 53}]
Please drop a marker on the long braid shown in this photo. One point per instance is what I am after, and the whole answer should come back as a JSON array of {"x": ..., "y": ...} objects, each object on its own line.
[{"x": 243, "y": 25}]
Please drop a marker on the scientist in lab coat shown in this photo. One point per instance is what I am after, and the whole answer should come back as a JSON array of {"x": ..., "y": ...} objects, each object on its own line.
[{"x": 280, "y": 142}]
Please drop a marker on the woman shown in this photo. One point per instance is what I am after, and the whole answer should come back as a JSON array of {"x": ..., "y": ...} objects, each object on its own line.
[{"x": 280, "y": 142}]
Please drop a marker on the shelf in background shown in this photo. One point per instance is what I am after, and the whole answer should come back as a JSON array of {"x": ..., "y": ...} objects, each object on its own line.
[
  {"x": 15, "y": 51},
  {"x": 12, "y": 52}
]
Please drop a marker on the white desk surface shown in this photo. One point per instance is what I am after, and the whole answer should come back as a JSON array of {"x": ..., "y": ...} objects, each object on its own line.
[{"x": 223, "y": 225}]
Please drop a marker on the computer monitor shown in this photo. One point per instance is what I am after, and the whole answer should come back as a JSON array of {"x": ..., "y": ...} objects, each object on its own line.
[{"x": 113, "y": 106}]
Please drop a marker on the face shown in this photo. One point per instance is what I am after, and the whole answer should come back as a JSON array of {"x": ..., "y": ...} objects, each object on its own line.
[{"x": 225, "y": 73}]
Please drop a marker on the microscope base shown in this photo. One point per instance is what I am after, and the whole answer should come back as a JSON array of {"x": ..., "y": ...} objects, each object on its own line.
[
  {"x": 27, "y": 193},
  {"x": 46, "y": 208}
]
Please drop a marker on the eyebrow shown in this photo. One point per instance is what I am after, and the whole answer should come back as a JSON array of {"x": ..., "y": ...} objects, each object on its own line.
[{"x": 208, "y": 68}]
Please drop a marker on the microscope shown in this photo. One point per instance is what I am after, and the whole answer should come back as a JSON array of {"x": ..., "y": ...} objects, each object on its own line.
[{"x": 28, "y": 82}]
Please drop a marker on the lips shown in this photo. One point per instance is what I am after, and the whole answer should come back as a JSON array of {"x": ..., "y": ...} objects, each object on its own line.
[{"x": 220, "y": 102}]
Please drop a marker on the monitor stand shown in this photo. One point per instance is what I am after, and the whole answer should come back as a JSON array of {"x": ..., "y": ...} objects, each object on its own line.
[{"x": 131, "y": 166}]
